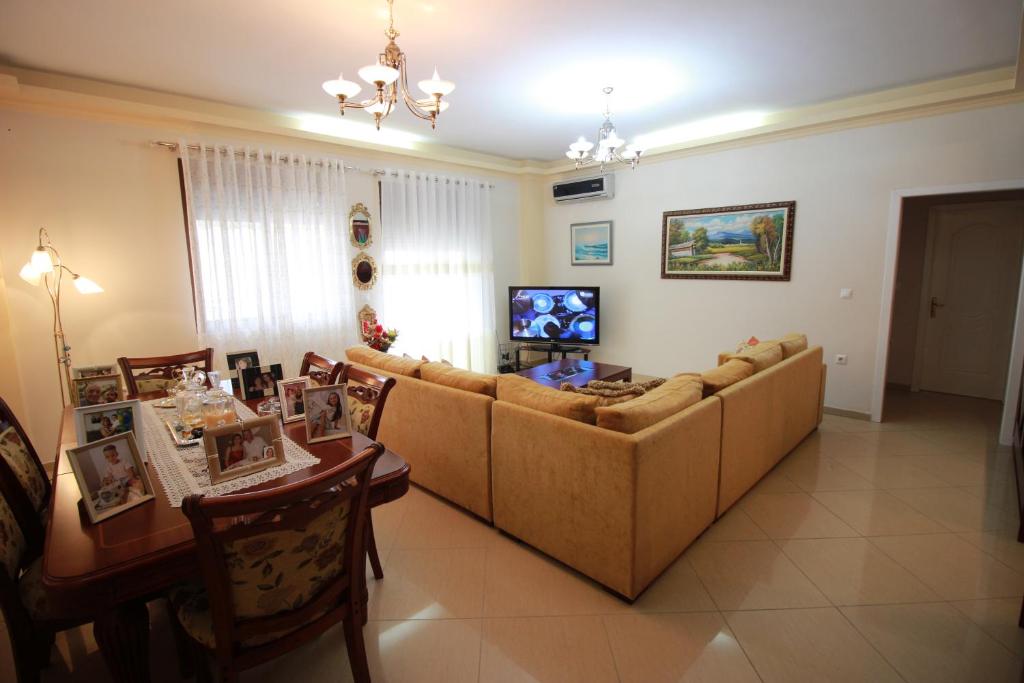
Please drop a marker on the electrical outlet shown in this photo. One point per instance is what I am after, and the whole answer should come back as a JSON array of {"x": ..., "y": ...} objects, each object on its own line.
[
  {"x": 841, "y": 359},
  {"x": 845, "y": 293}
]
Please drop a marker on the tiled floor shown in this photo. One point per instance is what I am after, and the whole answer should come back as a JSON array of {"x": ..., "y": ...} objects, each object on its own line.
[{"x": 872, "y": 553}]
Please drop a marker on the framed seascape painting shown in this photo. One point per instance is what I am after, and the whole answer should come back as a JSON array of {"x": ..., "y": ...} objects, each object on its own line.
[
  {"x": 748, "y": 242},
  {"x": 591, "y": 243}
]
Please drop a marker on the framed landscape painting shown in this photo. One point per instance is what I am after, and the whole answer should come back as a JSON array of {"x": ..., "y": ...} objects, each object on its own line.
[
  {"x": 748, "y": 242},
  {"x": 591, "y": 243}
]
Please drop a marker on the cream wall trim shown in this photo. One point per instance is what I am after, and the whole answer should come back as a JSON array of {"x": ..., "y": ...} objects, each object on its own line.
[{"x": 34, "y": 90}]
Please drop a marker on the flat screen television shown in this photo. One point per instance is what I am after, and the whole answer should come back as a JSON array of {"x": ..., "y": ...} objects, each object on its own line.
[{"x": 554, "y": 315}]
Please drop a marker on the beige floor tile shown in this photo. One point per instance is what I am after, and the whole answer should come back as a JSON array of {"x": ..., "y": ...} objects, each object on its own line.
[
  {"x": 965, "y": 439},
  {"x": 430, "y": 584},
  {"x": 793, "y": 515},
  {"x": 952, "y": 567},
  {"x": 934, "y": 643},
  {"x": 955, "y": 470},
  {"x": 953, "y": 508},
  {"x": 877, "y": 513},
  {"x": 998, "y": 618},
  {"x": 773, "y": 482},
  {"x": 734, "y": 525},
  {"x": 522, "y": 582},
  {"x": 429, "y": 522},
  {"x": 891, "y": 473},
  {"x": 677, "y": 648},
  {"x": 832, "y": 445},
  {"x": 893, "y": 443},
  {"x": 752, "y": 575},
  {"x": 1001, "y": 544},
  {"x": 528, "y": 649},
  {"x": 810, "y": 645},
  {"x": 677, "y": 590},
  {"x": 851, "y": 571},
  {"x": 821, "y": 474},
  {"x": 442, "y": 651}
]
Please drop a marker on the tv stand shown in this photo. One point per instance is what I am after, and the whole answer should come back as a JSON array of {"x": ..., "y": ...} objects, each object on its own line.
[{"x": 550, "y": 350}]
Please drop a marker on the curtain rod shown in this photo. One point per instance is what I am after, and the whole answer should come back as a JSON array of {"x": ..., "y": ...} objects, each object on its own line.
[{"x": 173, "y": 146}]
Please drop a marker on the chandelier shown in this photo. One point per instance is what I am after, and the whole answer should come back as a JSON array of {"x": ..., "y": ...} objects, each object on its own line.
[
  {"x": 608, "y": 144},
  {"x": 388, "y": 76}
]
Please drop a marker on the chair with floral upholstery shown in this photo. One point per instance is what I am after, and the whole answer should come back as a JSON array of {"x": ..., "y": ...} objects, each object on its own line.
[
  {"x": 18, "y": 459},
  {"x": 280, "y": 567},
  {"x": 321, "y": 370},
  {"x": 158, "y": 372},
  {"x": 367, "y": 394}
]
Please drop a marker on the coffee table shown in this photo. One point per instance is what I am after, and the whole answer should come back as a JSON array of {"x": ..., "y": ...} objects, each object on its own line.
[{"x": 576, "y": 372}]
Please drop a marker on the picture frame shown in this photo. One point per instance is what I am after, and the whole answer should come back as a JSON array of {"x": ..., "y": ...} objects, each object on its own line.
[
  {"x": 247, "y": 359},
  {"x": 87, "y": 371},
  {"x": 260, "y": 381},
  {"x": 93, "y": 423},
  {"x": 743, "y": 242},
  {"x": 111, "y": 476},
  {"x": 96, "y": 390},
  {"x": 590, "y": 244},
  {"x": 292, "y": 402},
  {"x": 242, "y": 448},
  {"x": 326, "y": 421}
]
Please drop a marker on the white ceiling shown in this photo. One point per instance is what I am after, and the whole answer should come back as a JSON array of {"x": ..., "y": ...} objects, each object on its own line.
[{"x": 528, "y": 72}]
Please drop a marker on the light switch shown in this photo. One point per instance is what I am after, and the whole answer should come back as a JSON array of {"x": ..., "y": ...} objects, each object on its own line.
[{"x": 845, "y": 293}]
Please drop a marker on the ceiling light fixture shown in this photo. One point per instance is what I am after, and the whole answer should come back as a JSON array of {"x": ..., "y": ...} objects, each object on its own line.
[
  {"x": 388, "y": 75},
  {"x": 608, "y": 144}
]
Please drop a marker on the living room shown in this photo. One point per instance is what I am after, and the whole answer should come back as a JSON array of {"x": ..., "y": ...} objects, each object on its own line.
[{"x": 123, "y": 123}]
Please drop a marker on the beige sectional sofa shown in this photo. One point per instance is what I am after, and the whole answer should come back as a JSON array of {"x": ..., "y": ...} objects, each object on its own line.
[{"x": 614, "y": 491}]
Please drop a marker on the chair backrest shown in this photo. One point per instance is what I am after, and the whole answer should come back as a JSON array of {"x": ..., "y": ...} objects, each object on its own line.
[
  {"x": 291, "y": 559},
  {"x": 320, "y": 369},
  {"x": 158, "y": 371},
  {"x": 28, "y": 485},
  {"x": 367, "y": 394}
]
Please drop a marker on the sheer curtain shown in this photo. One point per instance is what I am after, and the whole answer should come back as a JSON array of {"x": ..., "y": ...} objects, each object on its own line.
[
  {"x": 269, "y": 253},
  {"x": 438, "y": 268}
]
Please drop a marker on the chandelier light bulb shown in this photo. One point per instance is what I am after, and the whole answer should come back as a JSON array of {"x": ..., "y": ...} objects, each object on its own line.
[
  {"x": 41, "y": 261},
  {"x": 29, "y": 274},
  {"x": 379, "y": 74},
  {"x": 436, "y": 87},
  {"x": 342, "y": 88}
]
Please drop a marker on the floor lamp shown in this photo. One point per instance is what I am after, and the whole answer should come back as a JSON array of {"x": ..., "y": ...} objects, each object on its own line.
[{"x": 46, "y": 268}]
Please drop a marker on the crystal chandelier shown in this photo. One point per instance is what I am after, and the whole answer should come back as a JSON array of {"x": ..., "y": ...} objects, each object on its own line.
[
  {"x": 388, "y": 76},
  {"x": 608, "y": 144}
]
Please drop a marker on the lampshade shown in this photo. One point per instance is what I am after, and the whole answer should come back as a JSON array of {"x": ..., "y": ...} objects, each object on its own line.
[
  {"x": 612, "y": 141},
  {"x": 430, "y": 105},
  {"x": 435, "y": 86},
  {"x": 635, "y": 148},
  {"x": 581, "y": 145},
  {"x": 377, "y": 108},
  {"x": 342, "y": 87},
  {"x": 378, "y": 73},
  {"x": 29, "y": 274},
  {"x": 41, "y": 261},
  {"x": 86, "y": 286}
]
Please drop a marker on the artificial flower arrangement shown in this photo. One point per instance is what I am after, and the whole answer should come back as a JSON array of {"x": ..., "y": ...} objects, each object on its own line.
[{"x": 377, "y": 337}]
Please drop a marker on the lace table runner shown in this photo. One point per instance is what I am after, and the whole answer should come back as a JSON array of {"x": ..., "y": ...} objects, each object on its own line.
[{"x": 182, "y": 470}]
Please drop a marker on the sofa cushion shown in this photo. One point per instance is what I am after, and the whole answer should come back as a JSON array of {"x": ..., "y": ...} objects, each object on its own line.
[
  {"x": 410, "y": 367},
  {"x": 793, "y": 344},
  {"x": 724, "y": 375},
  {"x": 457, "y": 378},
  {"x": 762, "y": 355},
  {"x": 530, "y": 394},
  {"x": 674, "y": 396}
]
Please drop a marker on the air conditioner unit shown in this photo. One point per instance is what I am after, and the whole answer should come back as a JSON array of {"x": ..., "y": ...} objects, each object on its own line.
[{"x": 584, "y": 190}]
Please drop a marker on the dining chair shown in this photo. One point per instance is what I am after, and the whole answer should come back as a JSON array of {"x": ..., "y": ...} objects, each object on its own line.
[
  {"x": 320, "y": 369},
  {"x": 367, "y": 394},
  {"x": 19, "y": 460},
  {"x": 279, "y": 568},
  {"x": 158, "y": 371}
]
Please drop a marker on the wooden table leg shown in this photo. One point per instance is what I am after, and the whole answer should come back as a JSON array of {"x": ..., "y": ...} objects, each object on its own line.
[{"x": 123, "y": 636}]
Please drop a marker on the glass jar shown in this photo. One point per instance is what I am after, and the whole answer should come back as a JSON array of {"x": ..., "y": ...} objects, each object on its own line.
[{"x": 218, "y": 409}]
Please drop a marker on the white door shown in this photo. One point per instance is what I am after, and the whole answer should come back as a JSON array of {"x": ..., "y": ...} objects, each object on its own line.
[{"x": 970, "y": 301}]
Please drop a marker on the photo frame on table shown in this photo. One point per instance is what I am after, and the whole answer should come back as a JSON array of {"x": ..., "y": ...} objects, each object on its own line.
[
  {"x": 93, "y": 371},
  {"x": 744, "y": 242},
  {"x": 290, "y": 393},
  {"x": 111, "y": 476},
  {"x": 326, "y": 416},
  {"x": 261, "y": 381},
  {"x": 591, "y": 244},
  {"x": 242, "y": 448},
  {"x": 97, "y": 390},
  {"x": 93, "y": 423},
  {"x": 238, "y": 361}
]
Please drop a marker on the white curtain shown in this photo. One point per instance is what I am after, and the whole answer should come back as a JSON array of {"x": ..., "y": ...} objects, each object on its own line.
[
  {"x": 269, "y": 253},
  {"x": 438, "y": 268}
]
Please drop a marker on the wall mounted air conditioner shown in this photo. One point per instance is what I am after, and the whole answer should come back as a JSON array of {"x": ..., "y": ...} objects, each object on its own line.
[{"x": 584, "y": 190}]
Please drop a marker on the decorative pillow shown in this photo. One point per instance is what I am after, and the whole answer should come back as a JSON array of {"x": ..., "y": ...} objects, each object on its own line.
[
  {"x": 646, "y": 386},
  {"x": 12, "y": 541},
  {"x": 457, "y": 378},
  {"x": 410, "y": 367},
  {"x": 762, "y": 356},
  {"x": 724, "y": 375},
  {"x": 674, "y": 396},
  {"x": 612, "y": 393},
  {"x": 529, "y": 394},
  {"x": 442, "y": 361},
  {"x": 793, "y": 344},
  {"x": 13, "y": 451}
]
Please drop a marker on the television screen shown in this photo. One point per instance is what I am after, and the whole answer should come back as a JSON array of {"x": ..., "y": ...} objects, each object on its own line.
[{"x": 554, "y": 314}]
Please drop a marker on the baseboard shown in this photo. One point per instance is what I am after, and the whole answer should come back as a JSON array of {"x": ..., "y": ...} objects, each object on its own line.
[
  {"x": 897, "y": 385},
  {"x": 842, "y": 412}
]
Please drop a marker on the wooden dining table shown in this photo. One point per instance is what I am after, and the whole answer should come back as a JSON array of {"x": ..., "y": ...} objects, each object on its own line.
[{"x": 108, "y": 571}]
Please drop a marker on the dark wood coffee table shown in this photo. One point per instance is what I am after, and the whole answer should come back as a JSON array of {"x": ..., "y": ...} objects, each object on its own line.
[{"x": 586, "y": 371}]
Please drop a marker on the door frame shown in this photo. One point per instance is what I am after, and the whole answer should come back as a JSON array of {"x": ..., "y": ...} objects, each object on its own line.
[{"x": 892, "y": 243}]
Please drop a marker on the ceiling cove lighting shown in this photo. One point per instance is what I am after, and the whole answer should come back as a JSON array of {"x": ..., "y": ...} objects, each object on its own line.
[
  {"x": 388, "y": 76},
  {"x": 608, "y": 144},
  {"x": 703, "y": 129}
]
